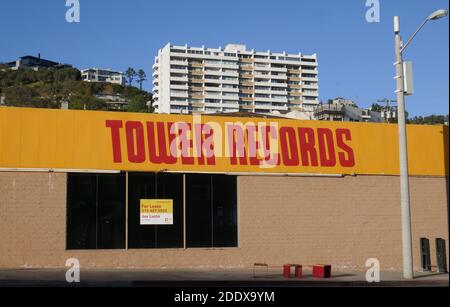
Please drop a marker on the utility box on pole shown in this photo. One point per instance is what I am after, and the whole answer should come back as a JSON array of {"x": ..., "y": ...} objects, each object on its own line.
[{"x": 408, "y": 78}]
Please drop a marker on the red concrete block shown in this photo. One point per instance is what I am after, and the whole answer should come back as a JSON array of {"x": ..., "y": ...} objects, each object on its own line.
[
  {"x": 321, "y": 271},
  {"x": 287, "y": 269}
]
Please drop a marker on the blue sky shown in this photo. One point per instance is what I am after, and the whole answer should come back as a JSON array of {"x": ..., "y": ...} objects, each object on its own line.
[{"x": 355, "y": 57}]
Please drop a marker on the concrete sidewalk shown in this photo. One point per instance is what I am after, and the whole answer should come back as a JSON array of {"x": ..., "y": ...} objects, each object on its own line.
[{"x": 207, "y": 278}]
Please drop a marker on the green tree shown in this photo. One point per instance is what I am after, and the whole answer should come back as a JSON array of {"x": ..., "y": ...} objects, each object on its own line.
[
  {"x": 141, "y": 77},
  {"x": 429, "y": 120},
  {"x": 130, "y": 74},
  {"x": 376, "y": 107}
]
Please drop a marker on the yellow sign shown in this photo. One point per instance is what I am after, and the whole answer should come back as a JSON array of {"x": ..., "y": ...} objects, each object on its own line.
[
  {"x": 156, "y": 211},
  {"x": 79, "y": 140}
]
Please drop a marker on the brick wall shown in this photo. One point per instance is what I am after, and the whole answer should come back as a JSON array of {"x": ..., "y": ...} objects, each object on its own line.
[{"x": 341, "y": 221}]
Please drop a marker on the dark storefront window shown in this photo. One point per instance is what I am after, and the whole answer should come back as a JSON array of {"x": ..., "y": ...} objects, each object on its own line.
[
  {"x": 96, "y": 211},
  {"x": 155, "y": 186},
  {"x": 211, "y": 202}
]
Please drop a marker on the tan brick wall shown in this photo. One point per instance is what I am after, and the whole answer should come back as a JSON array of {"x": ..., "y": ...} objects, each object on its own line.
[{"x": 341, "y": 221}]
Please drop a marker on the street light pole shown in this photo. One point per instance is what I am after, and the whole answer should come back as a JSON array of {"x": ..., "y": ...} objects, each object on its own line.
[
  {"x": 408, "y": 272},
  {"x": 403, "y": 155}
]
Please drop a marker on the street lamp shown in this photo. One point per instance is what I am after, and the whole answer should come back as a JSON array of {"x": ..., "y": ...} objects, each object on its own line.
[{"x": 403, "y": 149}]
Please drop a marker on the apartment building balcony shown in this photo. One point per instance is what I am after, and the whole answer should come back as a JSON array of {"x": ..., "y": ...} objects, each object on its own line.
[
  {"x": 196, "y": 73},
  {"x": 217, "y": 82},
  {"x": 230, "y": 66},
  {"x": 279, "y": 99},
  {"x": 246, "y": 76},
  {"x": 179, "y": 71},
  {"x": 314, "y": 101},
  {"x": 213, "y": 72},
  {"x": 230, "y": 105},
  {"x": 295, "y": 79},
  {"x": 229, "y": 89},
  {"x": 230, "y": 97},
  {"x": 296, "y": 94},
  {"x": 179, "y": 87},
  {"x": 179, "y": 103},
  {"x": 262, "y": 68},
  {"x": 267, "y": 84},
  {"x": 246, "y": 68},
  {"x": 278, "y": 69},
  {"x": 179, "y": 94},
  {"x": 196, "y": 96},
  {"x": 313, "y": 79},
  {"x": 280, "y": 107},
  {"x": 246, "y": 107},
  {"x": 311, "y": 86},
  {"x": 179, "y": 79},
  {"x": 230, "y": 82},
  {"x": 310, "y": 93},
  {"x": 294, "y": 86},
  {"x": 199, "y": 81},
  {"x": 309, "y": 71},
  {"x": 196, "y": 64},
  {"x": 246, "y": 60},
  {"x": 246, "y": 91},
  {"x": 196, "y": 88},
  {"x": 279, "y": 84},
  {"x": 261, "y": 76},
  {"x": 246, "y": 99},
  {"x": 268, "y": 92},
  {"x": 263, "y": 106},
  {"x": 279, "y": 77},
  {"x": 296, "y": 101},
  {"x": 304, "y": 63},
  {"x": 294, "y": 71},
  {"x": 178, "y": 62},
  {"x": 197, "y": 104},
  {"x": 217, "y": 95},
  {"x": 230, "y": 73}
]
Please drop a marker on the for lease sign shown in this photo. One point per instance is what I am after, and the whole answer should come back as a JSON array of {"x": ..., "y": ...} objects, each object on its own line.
[{"x": 156, "y": 211}]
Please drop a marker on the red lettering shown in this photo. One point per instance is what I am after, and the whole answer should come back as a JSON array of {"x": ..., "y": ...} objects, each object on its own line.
[
  {"x": 115, "y": 126},
  {"x": 236, "y": 144},
  {"x": 270, "y": 133},
  {"x": 289, "y": 147},
  {"x": 307, "y": 146},
  {"x": 204, "y": 142},
  {"x": 348, "y": 161},
  {"x": 135, "y": 145},
  {"x": 253, "y": 144},
  {"x": 326, "y": 147},
  {"x": 162, "y": 156}
]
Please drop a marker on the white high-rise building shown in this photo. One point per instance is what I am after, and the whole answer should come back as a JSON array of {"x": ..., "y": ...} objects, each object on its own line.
[{"x": 190, "y": 79}]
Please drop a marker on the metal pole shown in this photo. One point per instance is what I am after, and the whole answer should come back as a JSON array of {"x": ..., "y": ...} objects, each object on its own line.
[{"x": 403, "y": 155}]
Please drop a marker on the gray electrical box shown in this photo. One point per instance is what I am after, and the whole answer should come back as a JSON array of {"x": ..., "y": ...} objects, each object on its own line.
[{"x": 408, "y": 78}]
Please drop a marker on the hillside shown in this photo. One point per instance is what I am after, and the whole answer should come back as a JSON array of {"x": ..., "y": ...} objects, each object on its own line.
[{"x": 48, "y": 88}]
